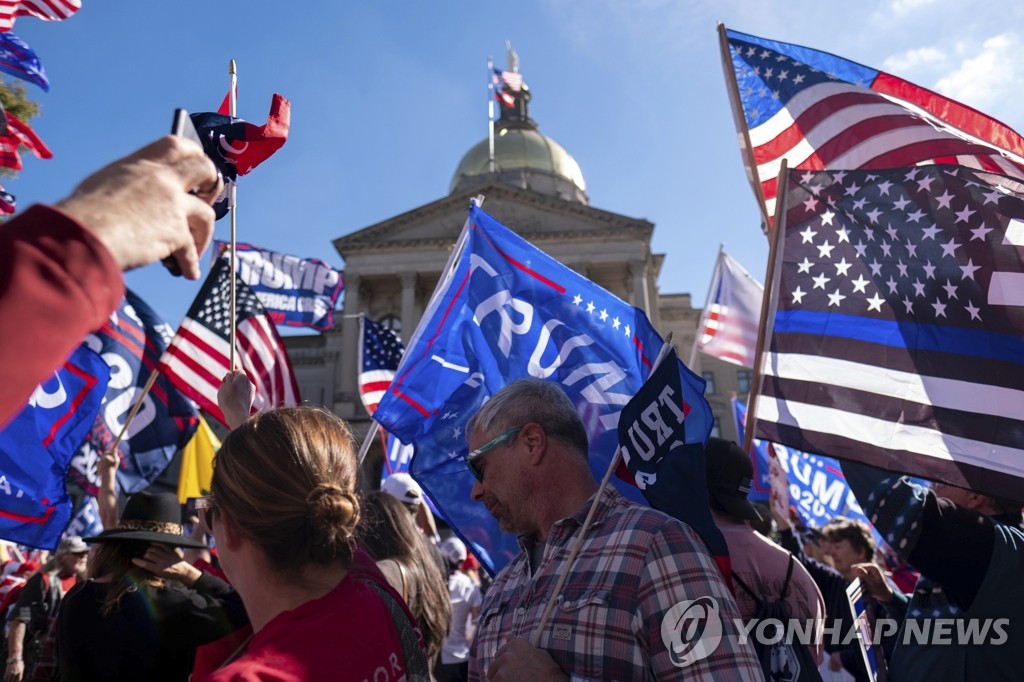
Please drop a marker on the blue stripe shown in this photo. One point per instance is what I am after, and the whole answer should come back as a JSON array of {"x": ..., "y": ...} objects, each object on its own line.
[{"x": 917, "y": 337}]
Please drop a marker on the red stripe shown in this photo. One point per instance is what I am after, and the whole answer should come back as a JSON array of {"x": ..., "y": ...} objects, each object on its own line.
[
  {"x": 415, "y": 405},
  {"x": 811, "y": 118},
  {"x": 532, "y": 273},
  {"x": 640, "y": 349},
  {"x": 267, "y": 381},
  {"x": 959, "y": 115},
  {"x": 22, "y": 518},
  {"x": 400, "y": 378},
  {"x": 90, "y": 382},
  {"x": 134, "y": 345},
  {"x": 373, "y": 386}
]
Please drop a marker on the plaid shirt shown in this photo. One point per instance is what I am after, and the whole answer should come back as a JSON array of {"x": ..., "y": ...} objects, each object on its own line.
[{"x": 635, "y": 565}]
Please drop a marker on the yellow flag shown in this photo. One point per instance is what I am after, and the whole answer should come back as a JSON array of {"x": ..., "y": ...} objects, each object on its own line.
[{"x": 197, "y": 463}]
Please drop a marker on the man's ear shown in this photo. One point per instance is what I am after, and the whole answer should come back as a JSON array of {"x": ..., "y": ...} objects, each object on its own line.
[{"x": 536, "y": 440}]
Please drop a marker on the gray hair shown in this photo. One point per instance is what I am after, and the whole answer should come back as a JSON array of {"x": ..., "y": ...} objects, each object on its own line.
[{"x": 533, "y": 400}]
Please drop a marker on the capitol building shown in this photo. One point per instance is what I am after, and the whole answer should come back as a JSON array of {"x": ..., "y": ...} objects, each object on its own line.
[{"x": 535, "y": 188}]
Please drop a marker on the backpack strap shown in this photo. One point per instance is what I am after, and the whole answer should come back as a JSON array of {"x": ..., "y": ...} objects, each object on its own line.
[
  {"x": 417, "y": 669},
  {"x": 785, "y": 583},
  {"x": 745, "y": 588}
]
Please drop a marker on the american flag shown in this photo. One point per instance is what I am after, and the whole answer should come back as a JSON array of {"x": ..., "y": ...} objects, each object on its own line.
[
  {"x": 198, "y": 357},
  {"x": 513, "y": 79},
  {"x": 17, "y": 134},
  {"x": 898, "y": 321},
  {"x": 821, "y": 111},
  {"x": 380, "y": 351},
  {"x": 47, "y": 10},
  {"x": 730, "y": 320}
]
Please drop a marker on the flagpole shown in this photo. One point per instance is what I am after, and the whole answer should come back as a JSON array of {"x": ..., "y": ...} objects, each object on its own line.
[
  {"x": 762, "y": 325},
  {"x": 367, "y": 442},
  {"x": 490, "y": 114},
  {"x": 233, "y": 208},
  {"x": 740, "y": 119},
  {"x": 612, "y": 466},
  {"x": 716, "y": 279},
  {"x": 384, "y": 447},
  {"x": 135, "y": 409}
]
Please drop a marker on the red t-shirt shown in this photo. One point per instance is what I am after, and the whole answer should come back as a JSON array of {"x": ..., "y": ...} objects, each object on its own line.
[{"x": 347, "y": 634}]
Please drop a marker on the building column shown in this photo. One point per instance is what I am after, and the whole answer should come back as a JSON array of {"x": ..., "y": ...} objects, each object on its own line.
[
  {"x": 349, "y": 357},
  {"x": 640, "y": 296},
  {"x": 408, "y": 280}
]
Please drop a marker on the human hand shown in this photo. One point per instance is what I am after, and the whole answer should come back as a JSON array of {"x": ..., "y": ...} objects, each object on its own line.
[
  {"x": 874, "y": 581},
  {"x": 235, "y": 398},
  {"x": 141, "y": 209},
  {"x": 520, "y": 660},
  {"x": 168, "y": 563},
  {"x": 15, "y": 671},
  {"x": 108, "y": 463}
]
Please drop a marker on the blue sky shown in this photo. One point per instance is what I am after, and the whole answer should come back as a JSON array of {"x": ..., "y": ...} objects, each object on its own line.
[{"x": 387, "y": 96}]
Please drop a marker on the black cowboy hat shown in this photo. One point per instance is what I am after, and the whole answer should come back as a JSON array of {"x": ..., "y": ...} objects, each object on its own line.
[{"x": 150, "y": 517}]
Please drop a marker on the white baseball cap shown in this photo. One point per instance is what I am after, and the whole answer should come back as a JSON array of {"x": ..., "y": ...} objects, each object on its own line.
[
  {"x": 454, "y": 550},
  {"x": 401, "y": 487}
]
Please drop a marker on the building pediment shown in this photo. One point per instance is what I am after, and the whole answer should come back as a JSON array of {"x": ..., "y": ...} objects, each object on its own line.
[{"x": 535, "y": 217}]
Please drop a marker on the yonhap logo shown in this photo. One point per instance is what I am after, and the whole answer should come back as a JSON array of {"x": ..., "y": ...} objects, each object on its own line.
[{"x": 691, "y": 631}]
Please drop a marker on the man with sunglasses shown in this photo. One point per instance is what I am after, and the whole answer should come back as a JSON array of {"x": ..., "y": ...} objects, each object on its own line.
[{"x": 528, "y": 452}]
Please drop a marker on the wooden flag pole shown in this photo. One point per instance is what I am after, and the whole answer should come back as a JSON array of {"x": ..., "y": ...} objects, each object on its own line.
[
  {"x": 134, "y": 411},
  {"x": 776, "y": 229},
  {"x": 384, "y": 447},
  {"x": 746, "y": 148},
  {"x": 233, "y": 209},
  {"x": 716, "y": 279},
  {"x": 578, "y": 545}
]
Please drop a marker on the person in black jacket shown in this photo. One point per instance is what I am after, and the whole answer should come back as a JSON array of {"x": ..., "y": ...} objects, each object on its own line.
[{"x": 144, "y": 610}]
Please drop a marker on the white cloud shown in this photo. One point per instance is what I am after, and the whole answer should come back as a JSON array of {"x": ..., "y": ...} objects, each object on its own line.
[
  {"x": 903, "y": 7},
  {"x": 989, "y": 78},
  {"x": 914, "y": 60}
]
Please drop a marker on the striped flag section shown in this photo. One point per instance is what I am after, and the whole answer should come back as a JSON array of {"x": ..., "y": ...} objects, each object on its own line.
[
  {"x": 820, "y": 111},
  {"x": 47, "y": 10},
  {"x": 889, "y": 344},
  {"x": 730, "y": 319},
  {"x": 198, "y": 357},
  {"x": 380, "y": 351}
]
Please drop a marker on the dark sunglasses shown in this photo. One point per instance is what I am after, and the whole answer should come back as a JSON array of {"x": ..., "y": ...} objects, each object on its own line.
[{"x": 473, "y": 455}]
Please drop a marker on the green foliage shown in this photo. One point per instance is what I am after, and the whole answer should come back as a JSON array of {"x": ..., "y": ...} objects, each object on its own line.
[{"x": 14, "y": 97}]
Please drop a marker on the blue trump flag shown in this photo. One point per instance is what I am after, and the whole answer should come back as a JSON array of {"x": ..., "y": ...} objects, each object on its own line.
[
  {"x": 131, "y": 343},
  {"x": 86, "y": 520},
  {"x": 37, "y": 446},
  {"x": 505, "y": 310},
  {"x": 19, "y": 60},
  {"x": 817, "y": 485}
]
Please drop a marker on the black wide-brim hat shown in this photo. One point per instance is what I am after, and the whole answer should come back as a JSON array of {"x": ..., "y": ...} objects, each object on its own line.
[{"x": 150, "y": 517}]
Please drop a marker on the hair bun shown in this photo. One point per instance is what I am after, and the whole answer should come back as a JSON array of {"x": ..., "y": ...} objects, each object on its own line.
[{"x": 334, "y": 510}]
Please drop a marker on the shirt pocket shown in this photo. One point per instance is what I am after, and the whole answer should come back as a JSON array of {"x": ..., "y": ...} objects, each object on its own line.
[{"x": 578, "y": 633}]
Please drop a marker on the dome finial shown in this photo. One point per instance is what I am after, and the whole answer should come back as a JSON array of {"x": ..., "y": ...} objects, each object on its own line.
[{"x": 513, "y": 58}]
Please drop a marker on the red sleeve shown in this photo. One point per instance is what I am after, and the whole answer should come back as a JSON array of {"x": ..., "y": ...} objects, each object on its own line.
[{"x": 57, "y": 284}]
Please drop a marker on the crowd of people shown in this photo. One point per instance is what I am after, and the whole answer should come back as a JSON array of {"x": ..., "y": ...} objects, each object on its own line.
[{"x": 314, "y": 579}]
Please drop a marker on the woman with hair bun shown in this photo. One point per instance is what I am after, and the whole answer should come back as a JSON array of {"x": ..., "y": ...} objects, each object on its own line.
[{"x": 283, "y": 509}]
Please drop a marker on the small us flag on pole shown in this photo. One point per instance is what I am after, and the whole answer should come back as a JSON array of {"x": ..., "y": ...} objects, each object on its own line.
[
  {"x": 380, "y": 351},
  {"x": 197, "y": 358}
]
